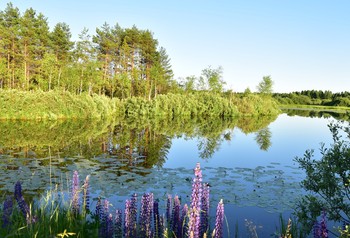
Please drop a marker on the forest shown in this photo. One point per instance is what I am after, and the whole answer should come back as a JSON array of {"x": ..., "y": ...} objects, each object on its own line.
[
  {"x": 118, "y": 62},
  {"x": 314, "y": 97},
  {"x": 78, "y": 78}
]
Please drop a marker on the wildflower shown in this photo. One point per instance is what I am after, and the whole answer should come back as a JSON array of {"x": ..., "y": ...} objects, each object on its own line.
[
  {"x": 127, "y": 219},
  {"x": 183, "y": 219},
  {"x": 168, "y": 210},
  {"x": 324, "y": 230},
  {"x": 194, "y": 220},
  {"x": 205, "y": 210},
  {"x": 99, "y": 210},
  {"x": 20, "y": 201},
  {"x": 316, "y": 230},
  {"x": 219, "y": 222},
  {"x": 118, "y": 223},
  {"x": 7, "y": 211},
  {"x": 86, "y": 195},
  {"x": 158, "y": 225},
  {"x": 145, "y": 216},
  {"x": 75, "y": 193},
  {"x": 130, "y": 216},
  {"x": 65, "y": 234},
  {"x": 176, "y": 219}
]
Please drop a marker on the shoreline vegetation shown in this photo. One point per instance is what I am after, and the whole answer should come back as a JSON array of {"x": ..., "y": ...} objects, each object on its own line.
[{"x": 54, "y": 105}]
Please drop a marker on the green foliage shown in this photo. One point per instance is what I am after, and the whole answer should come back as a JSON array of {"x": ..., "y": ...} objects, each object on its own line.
[
  {"x": 254, "y": 105},
  {"x": 314, "y": 97},
  {"x": 327, "y": 180},
  {"x": 265, "y": 86},
  {"x": 53, "y": 105}
]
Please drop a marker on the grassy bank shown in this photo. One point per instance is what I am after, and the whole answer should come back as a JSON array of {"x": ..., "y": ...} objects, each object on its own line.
[
  {"x": 340, "y": 109},
  {"x": 53, "y": 105}
]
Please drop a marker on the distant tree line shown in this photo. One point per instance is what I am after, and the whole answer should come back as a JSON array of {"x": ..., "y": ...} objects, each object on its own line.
[
  {"x": 115, "y": 61},
  {"x": 314, "y": 97}
]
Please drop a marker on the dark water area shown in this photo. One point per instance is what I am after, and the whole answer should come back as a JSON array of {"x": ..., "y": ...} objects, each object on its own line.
[{"x": 249, "y": 163}]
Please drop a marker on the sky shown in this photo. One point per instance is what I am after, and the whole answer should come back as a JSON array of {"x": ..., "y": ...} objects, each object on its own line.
[{"x": 301, "y": 44}]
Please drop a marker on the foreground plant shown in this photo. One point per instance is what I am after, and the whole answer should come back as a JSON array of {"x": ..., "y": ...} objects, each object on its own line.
[
  {"x": 327, "y": 180},
  {"x": 55, "y": 216}
]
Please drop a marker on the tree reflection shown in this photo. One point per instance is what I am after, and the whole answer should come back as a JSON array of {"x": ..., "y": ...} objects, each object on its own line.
[{"x": 263, "y": 138}]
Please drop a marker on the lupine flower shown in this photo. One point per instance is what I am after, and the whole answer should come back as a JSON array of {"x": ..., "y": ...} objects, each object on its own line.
[
  {"x": 127, "y": 219},
  {"x": 168, "y": 210},
  {"x": 205, "y": 210},
  {"x": 316, "y": 230},
  {"x": 99, "y": 210},
  {"x": 320, "y": 228},
  {"x": 184, "y": 214},
  {"x": 324, "y": 230},
  {"x": 7, "y": 211},
  {"x": 109, "y": 226},
  {"x": 86, "y": 195},
  {"x": 130, "y": 216},
  {"x": 75, "y": 193},
  {"x": 157, "y": 224},
  {"x": 194, "y": 220},
  {"x": 134, "y": 214},
  {"x": 21, "y": 203},
  {"x": 219, "y": 222},
  {"x": 176, "y": 218},
  {"x": 146, "y": 213},
  {"x": 118, "y": 224}
]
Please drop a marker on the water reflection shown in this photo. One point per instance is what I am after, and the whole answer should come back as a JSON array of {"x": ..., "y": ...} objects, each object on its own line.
[
  {"x": 335, "y": 114},
  {"x": 263, "y": 138}
]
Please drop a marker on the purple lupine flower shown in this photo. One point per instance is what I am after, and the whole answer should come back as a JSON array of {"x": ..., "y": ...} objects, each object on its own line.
[
  {"x": 75, "y": 193},
  {"x": 316, "y": 231},
  {"x": 156, "y": 218},
  {"x": 176, "y": 218},
  {"x": 184, "y": 215},
  {"x": 168, "y": 210},
  {"x": 99, "y": 210},
  {"x": 133, "y": 210},
  {"x": 146, "y": 215},
  {"x": 130, "y": 217},
  {"x": 205, "y": 210},
  {"x": 86, "y": 195},
  {"x": 7, "y": 211},
  {"x": 109, "y": 226},
  {"x": 324, "y": 230},
  {"x": 219, "y": 222},
  {"x": 23, "y": 206},
  {"x": 127, "y": 219},
  {"x": 118, "y": 224},
  {"x": 196, "y": 197},
  {"x": 320, "y": 228}
]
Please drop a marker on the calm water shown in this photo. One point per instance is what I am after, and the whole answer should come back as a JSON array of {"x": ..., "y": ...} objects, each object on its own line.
[{"x": 250, "y": 166}]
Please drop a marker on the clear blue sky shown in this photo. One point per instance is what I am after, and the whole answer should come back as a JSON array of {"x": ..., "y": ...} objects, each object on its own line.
[{"x": 302, "y": 44}]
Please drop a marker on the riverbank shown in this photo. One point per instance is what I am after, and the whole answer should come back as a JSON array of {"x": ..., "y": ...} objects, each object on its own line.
[
  {"x": 339, "y": 109},
  {"x": 55, "y": 105}
]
